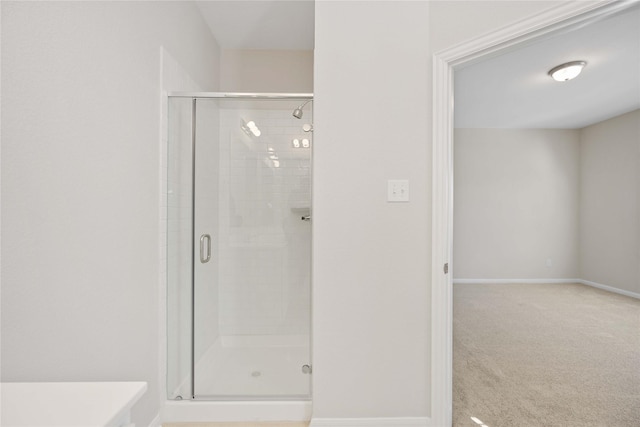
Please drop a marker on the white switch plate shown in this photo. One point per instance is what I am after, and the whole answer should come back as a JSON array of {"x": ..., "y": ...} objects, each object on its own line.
[{"x": 397, "y": 190}]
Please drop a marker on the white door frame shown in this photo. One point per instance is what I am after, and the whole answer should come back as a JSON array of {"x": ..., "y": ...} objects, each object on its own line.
[{"x": 564, "y": 17}]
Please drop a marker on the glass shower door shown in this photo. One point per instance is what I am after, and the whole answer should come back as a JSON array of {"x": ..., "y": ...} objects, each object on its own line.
[{"x": 251, "y": 244}]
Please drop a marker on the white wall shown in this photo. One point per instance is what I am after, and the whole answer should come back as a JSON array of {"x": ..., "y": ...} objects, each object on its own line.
[
  {"x": 81, "y": 185},
  {"x": 266, "y": 71},
  {"x": 609, "y": 202},
  {"x": 370, "y": 266},
  {"x": 371, "y": 261},
  {"x": 453, "y": 22},
  {"x": 516, "y": 203}
]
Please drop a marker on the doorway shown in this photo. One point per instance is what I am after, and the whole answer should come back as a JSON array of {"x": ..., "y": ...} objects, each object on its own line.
[{"x": 564, "y": 17}]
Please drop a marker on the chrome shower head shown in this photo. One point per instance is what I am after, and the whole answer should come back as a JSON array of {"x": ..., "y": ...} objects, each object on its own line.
[{"x": 297, "y": 113}]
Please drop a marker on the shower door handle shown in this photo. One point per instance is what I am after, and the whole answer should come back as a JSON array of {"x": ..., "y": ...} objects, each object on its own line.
[{"x": 204, "y": 259}]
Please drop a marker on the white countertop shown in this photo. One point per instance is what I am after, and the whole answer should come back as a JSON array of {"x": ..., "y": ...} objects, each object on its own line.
[{"x": 85, "y": 404}]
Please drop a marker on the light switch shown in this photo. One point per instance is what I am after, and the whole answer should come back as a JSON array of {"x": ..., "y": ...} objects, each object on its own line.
[{"x": 397, "y": 190}]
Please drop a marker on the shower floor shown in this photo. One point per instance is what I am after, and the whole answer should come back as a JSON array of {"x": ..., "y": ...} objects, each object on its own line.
[{"x": 254, "y": 366}]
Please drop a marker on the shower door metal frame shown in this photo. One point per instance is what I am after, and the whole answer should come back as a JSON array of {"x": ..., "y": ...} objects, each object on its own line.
[
  {"x": 217, "y": 95},
  {"x": 222, "y": 95}
]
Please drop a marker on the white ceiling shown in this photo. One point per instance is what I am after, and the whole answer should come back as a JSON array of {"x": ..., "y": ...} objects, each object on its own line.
[
  {"x": 261, "y": 24},
  {"x": 513, "y": 90}
]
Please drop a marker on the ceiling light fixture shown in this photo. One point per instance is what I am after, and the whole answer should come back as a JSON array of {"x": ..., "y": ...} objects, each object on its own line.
[{"x": 567, "y": 71}]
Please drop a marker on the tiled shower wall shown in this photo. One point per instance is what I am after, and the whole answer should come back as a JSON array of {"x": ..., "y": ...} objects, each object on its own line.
[{"x": 265, "y": 190}]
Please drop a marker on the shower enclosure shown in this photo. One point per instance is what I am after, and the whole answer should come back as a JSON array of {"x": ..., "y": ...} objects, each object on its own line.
[{"x": 239, "y": 246}]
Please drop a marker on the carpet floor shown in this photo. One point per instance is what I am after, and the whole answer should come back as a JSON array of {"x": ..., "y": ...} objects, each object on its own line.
[{"x": 545, "y": 355}]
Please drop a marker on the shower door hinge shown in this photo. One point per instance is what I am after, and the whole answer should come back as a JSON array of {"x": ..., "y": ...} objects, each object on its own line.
[{"x": 446, "y": 268}]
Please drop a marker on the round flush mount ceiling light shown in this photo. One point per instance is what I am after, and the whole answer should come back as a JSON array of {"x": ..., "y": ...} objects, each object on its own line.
[{"x": 567, "y": 71}]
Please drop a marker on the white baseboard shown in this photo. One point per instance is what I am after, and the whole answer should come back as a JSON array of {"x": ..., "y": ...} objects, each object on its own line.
[
  {"x": 521, "y": 281},
  {"x": 518, "y": 281},
  {"x": 610, "y": 288},
  {"x": 155, "y": 422},
  {"x": 371, "y": 422}
]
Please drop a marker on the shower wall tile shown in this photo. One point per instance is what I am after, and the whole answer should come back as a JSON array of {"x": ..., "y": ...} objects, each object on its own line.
[{"x": 265, "y": 247}]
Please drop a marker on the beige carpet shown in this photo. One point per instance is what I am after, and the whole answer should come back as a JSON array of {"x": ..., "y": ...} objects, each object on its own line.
[{"x": 545, "y": 355}]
